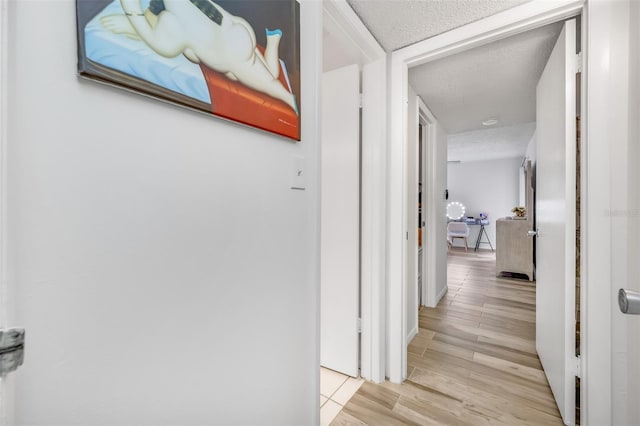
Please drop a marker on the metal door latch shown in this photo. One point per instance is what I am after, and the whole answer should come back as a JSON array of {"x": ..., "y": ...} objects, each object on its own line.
[
  {"x": 629, "y": 301},
  {"x": 11, "y": 349}
]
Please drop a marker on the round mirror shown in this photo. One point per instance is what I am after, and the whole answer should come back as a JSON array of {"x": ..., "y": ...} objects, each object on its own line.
[{"x": 455, "y": 210}]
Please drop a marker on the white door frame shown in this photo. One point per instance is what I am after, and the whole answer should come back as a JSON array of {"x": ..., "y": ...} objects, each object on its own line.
[
  {"x": 603, "y": 43},
  {"x": 7, "y": 383},
  {"x": 513, "y": 21},
  {"x": 606, "y": 137},
  {"x": 4, "y": 61},
  {"x": 339, "y": 16},
  {"x": 429, "y": 206}
]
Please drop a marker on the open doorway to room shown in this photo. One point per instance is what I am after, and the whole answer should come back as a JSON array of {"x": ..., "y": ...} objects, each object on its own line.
[
  {"x": 485, "y": 100},
  {"x": 488, "y": 100},
  {"x": 477, "y": 348}
]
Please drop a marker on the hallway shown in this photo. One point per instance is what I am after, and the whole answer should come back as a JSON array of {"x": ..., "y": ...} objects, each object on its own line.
[{"x": 473, "y": 362}]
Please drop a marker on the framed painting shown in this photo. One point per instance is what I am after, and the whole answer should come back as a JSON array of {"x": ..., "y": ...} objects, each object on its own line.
[{"x": 234, "y": 59}]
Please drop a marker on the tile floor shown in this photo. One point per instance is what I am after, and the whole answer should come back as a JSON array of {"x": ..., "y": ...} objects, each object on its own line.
[{"x": 335, "y": 391}]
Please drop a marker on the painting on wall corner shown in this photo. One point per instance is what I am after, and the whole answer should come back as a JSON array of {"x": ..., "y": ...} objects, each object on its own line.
[{"x": 235, "y": 59}]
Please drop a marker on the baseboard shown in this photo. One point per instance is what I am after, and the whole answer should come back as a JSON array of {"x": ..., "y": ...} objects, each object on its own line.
[
  {"x": 442, "y": 293},
  {"x": 413, "y": 333}
]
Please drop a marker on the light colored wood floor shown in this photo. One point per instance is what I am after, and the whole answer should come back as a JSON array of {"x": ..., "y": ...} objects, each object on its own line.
[{"x": 473, "y": 362}]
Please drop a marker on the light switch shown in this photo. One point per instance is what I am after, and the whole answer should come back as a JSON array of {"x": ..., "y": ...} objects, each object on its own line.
[{"x": 298, "y": 178}]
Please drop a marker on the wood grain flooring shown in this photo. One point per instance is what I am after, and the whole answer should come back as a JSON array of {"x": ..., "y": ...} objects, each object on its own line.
[{"x": 473, "y": 361}]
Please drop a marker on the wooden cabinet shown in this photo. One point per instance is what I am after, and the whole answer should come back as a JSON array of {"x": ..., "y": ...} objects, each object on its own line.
[{"x": 514, "y": 249}]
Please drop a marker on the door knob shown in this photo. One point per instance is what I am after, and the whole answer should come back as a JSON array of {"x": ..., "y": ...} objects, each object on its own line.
[
  {"x": 532, "y": 233},
  {"x": 629, "y": 301}
]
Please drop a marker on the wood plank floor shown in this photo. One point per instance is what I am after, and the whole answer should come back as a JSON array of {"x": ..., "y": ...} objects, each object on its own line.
[{"x": 473, "y": 362}]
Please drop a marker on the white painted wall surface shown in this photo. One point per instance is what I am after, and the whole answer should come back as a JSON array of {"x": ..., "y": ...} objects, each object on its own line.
[
  {"x": 165, "y": 271},
  {"x": 485, "y": 186}
]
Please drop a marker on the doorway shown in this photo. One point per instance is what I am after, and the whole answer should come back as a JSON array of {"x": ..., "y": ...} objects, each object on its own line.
[
  {"x": 495, "y": 181},
  {"x": 415, "y": 56},
  {"x": 352, "y": 284},
  {"x": 352, "y": 320}
]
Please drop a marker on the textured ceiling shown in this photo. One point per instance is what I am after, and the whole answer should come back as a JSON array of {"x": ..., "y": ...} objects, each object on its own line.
[
  {"x": 399, "y": 23},
  {"x": 495, "y": 80},
  {"x": 489, "y": 144}
]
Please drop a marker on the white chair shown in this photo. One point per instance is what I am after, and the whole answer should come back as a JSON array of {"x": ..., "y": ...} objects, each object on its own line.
[{"x": 458, "y": 230}]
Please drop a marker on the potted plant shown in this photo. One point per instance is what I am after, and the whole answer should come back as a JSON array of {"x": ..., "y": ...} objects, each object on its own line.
[{"x": 519, "y": 211}]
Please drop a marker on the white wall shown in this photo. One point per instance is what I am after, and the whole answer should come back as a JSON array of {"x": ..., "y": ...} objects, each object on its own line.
[
  {"x": 485, "y": 186},
  {"x": 164, "y": 270}
]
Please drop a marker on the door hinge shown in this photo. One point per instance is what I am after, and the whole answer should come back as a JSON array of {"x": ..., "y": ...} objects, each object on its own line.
[
  {"x": 577, "y": 366},
  {"x": 360, "y": 100},
  {"x": 11, "y": 350},
  {"x": 579, "y": 62},
  {"x": 359, "y": 325},
  {"x": 11, "y": 339}
]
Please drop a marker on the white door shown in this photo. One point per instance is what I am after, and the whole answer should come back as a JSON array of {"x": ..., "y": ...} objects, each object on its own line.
[
  {"x": 555, "y": 213},
  {"x": 340, "y": 220}
]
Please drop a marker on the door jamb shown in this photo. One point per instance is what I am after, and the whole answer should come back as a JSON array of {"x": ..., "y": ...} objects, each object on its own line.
[
  {"x": 513, "y": 21},
  {"x": 4, "y": 61},
  {"x": 429, "y": 195},
  {"x": 6, "y": 383}
]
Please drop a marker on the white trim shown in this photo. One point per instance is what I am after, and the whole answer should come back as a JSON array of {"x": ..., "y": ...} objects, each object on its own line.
[
  {"x": 606, "y": 125},
  {"x": 583, "y": 274},
  {"x": 4, "y": 61},
  {"x": 6, "y": 384},
  {"x": 430, "y": 197},
  {"x": 345, "y": 23},
  {"x": 315, "y": 171},
  {"x": 372, "y": 249},
  {"x": 513, "y": 21},
  {"x": 410, "y": 246},
  {"x": 584, "y": 197},
  {"x": 570, "y": 225},
  {"x": 413, "y": 333},
  {"x": 396, "y": 321},
  {"x": 344, "y": 19},
  {"x": 441, "y": 294}
]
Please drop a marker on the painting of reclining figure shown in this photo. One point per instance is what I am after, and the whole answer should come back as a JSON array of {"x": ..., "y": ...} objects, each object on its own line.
[{"x": 236, "y": 59}]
